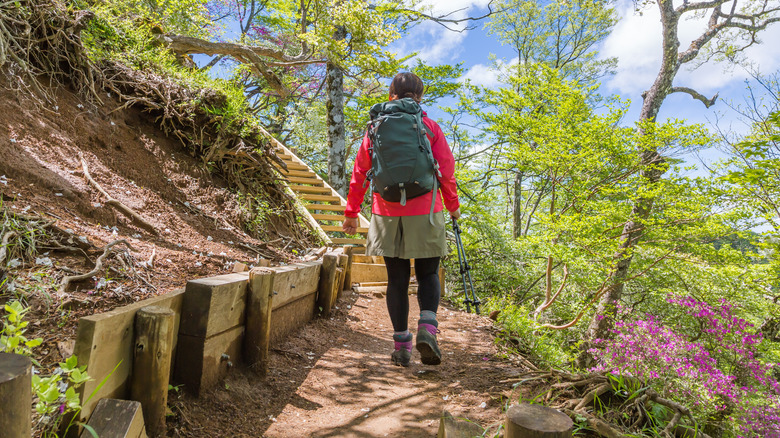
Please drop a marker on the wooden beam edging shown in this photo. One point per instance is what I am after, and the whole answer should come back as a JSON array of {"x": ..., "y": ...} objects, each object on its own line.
[
  {"x": 105, "y": 344},
  {"x": 15, "y": 395},
  {"x": 362, "y": 219}
]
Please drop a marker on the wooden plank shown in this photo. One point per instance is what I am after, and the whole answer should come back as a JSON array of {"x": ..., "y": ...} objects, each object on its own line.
[
  {"x": 284, "y": 157},
  {"x": 114, "y": 418},
  {"x": 361, "y": 258},
  {"x": 320, "y": 198},
  {"x": 292, "y": 282},
  {"x": 291, "y": 316},
  {"x": 348, "y": 241},
  {"x": 105, "y": 341},
  {"x": 326, "y": 207},
  {"x": 360, "y": 230},
  {"x": 202, "y": 363},
  {"x": 214, "y": 304},
  {"x": 368, "y": 272},
  {"x": 152, "y": 365},
  {"x": 342, "y": 268},
  {"x": 309, "y": 189},
  {"x": 15, "y": 395},
  {"x": 258, "y": 318},
  {"x": 311, "y": 181},
  {"x": 328, "y": 217}
]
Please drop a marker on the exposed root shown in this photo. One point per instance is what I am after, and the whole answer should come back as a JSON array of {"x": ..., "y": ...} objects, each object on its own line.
[
  {"x": 98, "y": 267},
  {"x": 127, "y": 211}
]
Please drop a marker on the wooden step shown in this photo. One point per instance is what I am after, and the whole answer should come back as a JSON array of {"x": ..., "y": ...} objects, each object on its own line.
[
  {"x": 312, "y": 181},
  {"x": 338, "y": 228},
  {"x": 284, "y": 157},
  {"x": 292, "y": 166},
  {"x": 326, "y": 207},
  {"x": 343, "y": 241},
  {"x": 321, "y": 198},
  {"x": 328, "y": 217},
  {"x": 310, "y": 189},
  {"x": 299, "y": 173}
]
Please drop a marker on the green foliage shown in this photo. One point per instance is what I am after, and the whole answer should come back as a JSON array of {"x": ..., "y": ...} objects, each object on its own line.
[
  {"x": 12, "y": 339},
  {"x": 56, "y": 394},
  {"x": 543, "y": 347},
  {"x": 560, "y": 35}
]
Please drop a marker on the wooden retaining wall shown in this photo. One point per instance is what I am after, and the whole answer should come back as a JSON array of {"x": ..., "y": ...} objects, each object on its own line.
[{"x": 210, "y": 321}]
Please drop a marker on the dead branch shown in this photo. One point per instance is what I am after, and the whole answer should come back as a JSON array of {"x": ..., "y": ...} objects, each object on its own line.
[
  {"x": 591, "y": 395},
  {"x": 4, "y": 247},
  {"x": 127, "y": 211},
  {"x": 549, "y": 300},
  {"x": 98, "y": 266},
  {"x": 598, "y": 425}
]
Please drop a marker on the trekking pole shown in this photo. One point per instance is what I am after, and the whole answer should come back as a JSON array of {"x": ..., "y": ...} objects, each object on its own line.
[{"x": 465, "y": 271}]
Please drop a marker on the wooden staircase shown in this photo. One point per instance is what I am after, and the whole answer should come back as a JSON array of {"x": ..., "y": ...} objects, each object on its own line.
[{"x": 325, "y": 205}]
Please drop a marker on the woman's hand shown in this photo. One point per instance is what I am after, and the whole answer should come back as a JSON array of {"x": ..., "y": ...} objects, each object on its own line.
[
  {"x": 350, "y": 225},
  {"x": 455, "y": 214}
]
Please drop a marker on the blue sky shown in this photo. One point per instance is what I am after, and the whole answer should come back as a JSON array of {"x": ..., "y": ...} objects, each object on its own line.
[{"x": 635, "y": 41}]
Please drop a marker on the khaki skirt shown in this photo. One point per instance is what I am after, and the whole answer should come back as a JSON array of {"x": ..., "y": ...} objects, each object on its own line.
[{"x": 407, "y": 237}]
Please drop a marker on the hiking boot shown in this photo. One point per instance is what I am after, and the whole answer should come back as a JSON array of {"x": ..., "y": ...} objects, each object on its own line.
[
  {"x": 403, "y": 351},
  {"x": 427, "y": 345}
]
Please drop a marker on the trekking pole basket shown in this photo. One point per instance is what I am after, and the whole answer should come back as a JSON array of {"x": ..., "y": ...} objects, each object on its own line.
[{"x": 465, "y": 271}]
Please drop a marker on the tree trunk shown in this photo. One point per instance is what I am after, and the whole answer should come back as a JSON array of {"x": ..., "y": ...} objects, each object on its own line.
[
  {"x": 337, "y": 144},
  {"x": 653, "y": 167},
  {"x": 517, "y": 211}
]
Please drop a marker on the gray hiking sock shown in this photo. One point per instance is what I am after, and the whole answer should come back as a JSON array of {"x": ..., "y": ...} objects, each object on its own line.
[
  {"x": 404, "y": 336},
  {"x": 426, "y": 316}
]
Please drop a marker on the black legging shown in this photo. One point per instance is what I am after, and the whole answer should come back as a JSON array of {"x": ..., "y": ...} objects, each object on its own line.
[{"x": 428, "y": 288}]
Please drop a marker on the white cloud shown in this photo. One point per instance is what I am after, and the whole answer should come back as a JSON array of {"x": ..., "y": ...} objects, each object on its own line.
[
  {"x": 489, "y": 76},
  {"x": 434, "y": 42},
  {"x": 636, "y": 42}
]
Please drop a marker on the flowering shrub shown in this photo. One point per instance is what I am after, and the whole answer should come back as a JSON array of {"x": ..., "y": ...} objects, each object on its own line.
[{"x": 713, "y": 368}]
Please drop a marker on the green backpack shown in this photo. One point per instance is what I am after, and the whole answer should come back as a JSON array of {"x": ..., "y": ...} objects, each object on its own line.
[{"x": 402, "y": 164}]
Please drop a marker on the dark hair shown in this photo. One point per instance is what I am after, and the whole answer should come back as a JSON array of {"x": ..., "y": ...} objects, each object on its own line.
[{"x": 407, "y": 85}]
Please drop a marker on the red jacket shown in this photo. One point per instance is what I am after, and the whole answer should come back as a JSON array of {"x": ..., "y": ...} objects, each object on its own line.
[{"x": 416, "y": 206}]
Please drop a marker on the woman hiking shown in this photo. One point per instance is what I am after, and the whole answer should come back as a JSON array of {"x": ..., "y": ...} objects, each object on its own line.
[{"x": 411, "y": 227}]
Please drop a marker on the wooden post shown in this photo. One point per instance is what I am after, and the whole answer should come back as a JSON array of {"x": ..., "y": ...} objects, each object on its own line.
[
  {"x": 342, "y": 263},
  {"x": 257, "y": 336},
  {"x": 537, "y": 421},
  {"x": 328, "y": 280},
  {"x": 15, "y": 395},
  {"x": 348, "y": 250},
  {"x": 449, "y": 427},
  {"x": 152, "y": 365}
]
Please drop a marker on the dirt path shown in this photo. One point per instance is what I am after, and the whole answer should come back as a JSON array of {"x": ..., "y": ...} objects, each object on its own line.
[{"x": 334, "y": 379}]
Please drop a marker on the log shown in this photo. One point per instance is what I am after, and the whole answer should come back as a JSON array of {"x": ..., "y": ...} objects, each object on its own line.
[
  {"x": 152, "y": 365},
  {"x": 449, "y": 427},
  {"x": 114, "y": 418},
  {"x": 15, "y": 395},
  {"x": 258, "y": 318},
  {"x": 537, "y": 421},
  {"x": 328, "y": 281}
]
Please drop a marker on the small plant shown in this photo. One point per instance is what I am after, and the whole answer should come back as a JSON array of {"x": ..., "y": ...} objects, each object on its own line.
[
  {"x": 57, "y": 395},
  {"x": 12, "y": 339}
]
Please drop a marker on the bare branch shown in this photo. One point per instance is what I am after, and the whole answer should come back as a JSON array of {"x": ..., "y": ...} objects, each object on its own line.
[
  {"x": 443, "y": 20},
  {"x": 696, "y": 95},
  {"x": 251, "y": 55}
]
